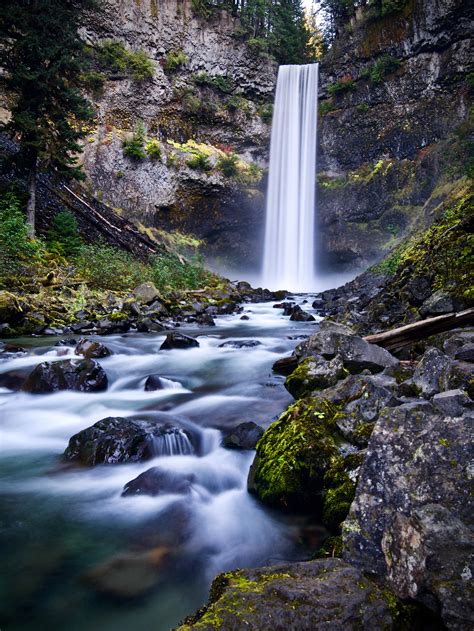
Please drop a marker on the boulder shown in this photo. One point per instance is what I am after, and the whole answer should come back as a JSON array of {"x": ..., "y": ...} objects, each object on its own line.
[
  {"x": 299, "y": 466},
  {"x": 156, "y": 481},
  {"x": 84, "y": 375},
  {"x": 240, "y": 344},
  {"x": 244, "y": 436},
  {"x": 245, "y": 317},
  {"x": 178, "y": 340},
  {"x": 147, "y": 325},
  {"x": 153, "y": 382},
  {"x": 299, "y": 315},
  {"x": 314, "y": 373},
  {"x": 320, "y": 595},
  {"x": 437, "y": 304},
  {"x": 146, "y": 293},
  {"x": 92, "y": 350},
  {"x": 452, "y": 403},
  {"x": 285, "y": 365},
  {"x": 410, "y": 520},
  {"x": 115, "y": 440},
  {"x": 432, "y": 372},
  {"x": 356, "y": 354}
]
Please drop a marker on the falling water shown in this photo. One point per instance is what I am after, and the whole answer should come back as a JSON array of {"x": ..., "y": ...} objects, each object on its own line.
[
  {"x": 172, "y": 443},
  {"x": 290, "y": 223}
]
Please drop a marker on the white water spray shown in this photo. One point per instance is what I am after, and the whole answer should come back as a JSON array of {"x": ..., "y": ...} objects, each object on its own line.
[{"x": 290, "y": 221}]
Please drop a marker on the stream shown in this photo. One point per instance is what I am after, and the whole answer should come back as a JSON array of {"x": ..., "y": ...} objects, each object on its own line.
[{"x": 78, "y": 555}]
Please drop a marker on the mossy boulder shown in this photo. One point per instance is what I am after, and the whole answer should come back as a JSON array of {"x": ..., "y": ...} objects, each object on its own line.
[
  {"x": 299, "y": 464},
  {"x": 316, "y": 595},
  {"x": 314, "y": 373},
  {"x": 12, "y": 310}
]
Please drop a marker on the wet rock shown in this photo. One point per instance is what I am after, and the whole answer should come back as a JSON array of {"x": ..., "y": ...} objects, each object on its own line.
[
  {"x": 320, "y": 595},
  {"x": 285, "y": 365},
  {"x": 69, "y": 341},
  {"x": 437, "y": 304},
  {"x": 84, "y": 375},
  {"x": 410, "y": 520},
  {"x": 92, "y": 350},
  {"x": 115, "y": 440},
  {"x": 156, "y": 481},
  {"x": 452, "y": 403},
  {"x": 240, "y": 344},
  {"x": 178, "y": 340},
  {"x": 146, "y": 293},
  {"x": 244, "y": 436},
  {"x": 299, "y": 315},
  {"x": 129, "y": 575},
  {"x": 154, "y": 382},
  {"x": 432, "y": 372},
  {"x": 12, "y": 380},
  {"x": 245, "y": 317},
  {"x": 205, "y": 319},
  {"x": 314, "y": 373},
  {"x": 147, "y": 325}
]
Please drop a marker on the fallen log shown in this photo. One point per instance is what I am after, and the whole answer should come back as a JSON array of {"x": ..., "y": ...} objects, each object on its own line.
[{"x": 405, "y": 335}]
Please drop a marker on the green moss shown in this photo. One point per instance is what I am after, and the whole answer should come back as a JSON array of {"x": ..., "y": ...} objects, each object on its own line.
[{"x": 332, "y": 547}]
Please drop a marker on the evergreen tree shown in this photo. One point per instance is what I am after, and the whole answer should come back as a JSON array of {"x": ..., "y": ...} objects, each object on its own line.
[
  {"x": 43, "y": 58},
  {"x": 63, "y": 236}
]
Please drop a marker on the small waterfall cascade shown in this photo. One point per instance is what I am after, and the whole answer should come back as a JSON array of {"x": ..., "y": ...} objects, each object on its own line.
[
  {"x": 289, "y": 254},
  {"x": 172, "y": 442}
]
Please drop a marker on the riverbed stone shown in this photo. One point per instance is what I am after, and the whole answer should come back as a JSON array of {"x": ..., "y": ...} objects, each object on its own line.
[
  {"x": 146, "y": 293},
  {"x": 153, "y": 382},
  {"x": 157, "y": 481},
  {"x": 91, "y": 349},
  {"x": 240, "y": 344},
  {"x": 410, "y": 520},
  {"x": 432, "y": 372},
  {"x": 244, "y": 436},
  {"x": 178, "y": 340},
  {"x": 114, "y": 440},
  {"x": 320, "y": 595},
  {"x": 285, "y": 365},
  {"x": 83, "y": 375},
  {"x": 314, "y": 373}
]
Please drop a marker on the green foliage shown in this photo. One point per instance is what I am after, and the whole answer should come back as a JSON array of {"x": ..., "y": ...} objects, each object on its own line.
[
  {"x": 266, "y": 112},
  {"x": 43, "y": 63},
  {"x": 235, "y": 103},
  {"x": 105, "y": 267},
  {"x": 63, "y": 236},
  {"x": 174, "y": 60},
  {"x": 325, "y": 107},
  {"x": 228, "y": 165},
  {"x": 93, "y": 81},
  {"x": 153, "y": 148},
  {"x": 199, "y": 162},
  {"x": 363, "y": 108},
  {"x": 192, "y": 104},
  {"x": 223, "y": 83},
  {"x": 391, "y": 6},
  {"x": 114, "y": 55},
  {"x": 134, "y": 148},
  {"x": 169, "y": 272},
  {"x": 345, "y": 84},
  {"x": 383, "y": 67},
  {"x": 19, "y": 254}
]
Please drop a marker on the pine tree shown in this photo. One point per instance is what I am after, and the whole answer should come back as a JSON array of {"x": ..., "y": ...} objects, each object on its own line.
[{"x": 43, "y": 58}]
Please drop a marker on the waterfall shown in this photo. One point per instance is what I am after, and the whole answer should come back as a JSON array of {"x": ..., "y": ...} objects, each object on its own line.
[
  {"x": 290, "y": 220},
  {"x": 173, "y": 442}
]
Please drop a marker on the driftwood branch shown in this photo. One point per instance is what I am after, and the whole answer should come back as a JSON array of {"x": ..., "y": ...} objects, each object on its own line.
[{"x": 405, "y": 335}]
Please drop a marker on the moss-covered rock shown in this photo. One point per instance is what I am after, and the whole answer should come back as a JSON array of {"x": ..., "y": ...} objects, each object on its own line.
[
  {"x": 317, "y": 595},
  {"x": 12, "y": 310},
  {"x": 314, "y": 373},
  {"x": 299, "y": 465}
]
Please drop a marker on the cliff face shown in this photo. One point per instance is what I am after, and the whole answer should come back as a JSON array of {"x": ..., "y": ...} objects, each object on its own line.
[
  {"x": 215, "y": 97},
  {"x": 393, "y": 93}
]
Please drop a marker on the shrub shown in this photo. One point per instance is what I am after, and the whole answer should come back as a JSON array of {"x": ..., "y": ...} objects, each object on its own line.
[
  {"x": 235, "y": 103},
  {"x": 169, "y": 272},
  {"x": 345, "y": 84},
  {"x": 266, "y": 112},
  {"x": 383, "y": 67},
  {"x": 228, "y": 165},
  {"x": 19, "y": 254},
  {"x": 63, "y": 236},
  {"x": 192, "y": 104},
  {"x": 174, "y": 60},
  {"x": 258, "y": 44},
  {"x": 325, "y": 107},
  {"x": 363, "y": 107},
  {"x": 223, "y": 83},
  {"x": 134, "y": 147},
  {"x": 153, "y": 148},
  {"x": 199, "y": 162},
  {"x": 105, "y": 267},
  {"x": 93, "y": 81},
  {"x": 118, "y": 58}
]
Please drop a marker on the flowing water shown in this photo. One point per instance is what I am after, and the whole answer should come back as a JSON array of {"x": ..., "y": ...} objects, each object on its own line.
[
  {"x": 289, "y": 255},
  {"x": 69, "y": 539}
]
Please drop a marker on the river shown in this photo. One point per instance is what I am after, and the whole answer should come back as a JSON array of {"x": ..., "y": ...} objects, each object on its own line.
[{"x": 60, "y": 527}]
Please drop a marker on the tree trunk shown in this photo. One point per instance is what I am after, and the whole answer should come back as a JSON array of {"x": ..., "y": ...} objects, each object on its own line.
[{"x": 31, "y": 206}]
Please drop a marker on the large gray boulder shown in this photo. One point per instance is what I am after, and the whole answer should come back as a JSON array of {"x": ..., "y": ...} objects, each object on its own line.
[
  {"x": 84, "y": 375},
  {"x": 410, "y": 521},
  {"x": 432, "y": 372},
  {"x": 321, "y": 595}
]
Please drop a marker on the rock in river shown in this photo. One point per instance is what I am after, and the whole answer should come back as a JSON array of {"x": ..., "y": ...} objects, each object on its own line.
[
  {"x": 244, "y": 436},
  {"x": 156, "y": 481},
  {"x": 178, "y": 340},
  {"x": 84, "y": 375},
  {"x": 91, "y": 350}
]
